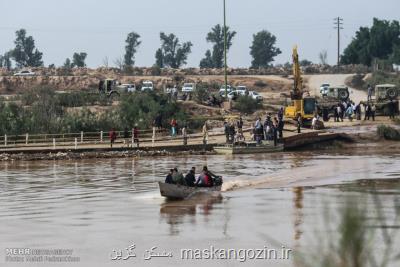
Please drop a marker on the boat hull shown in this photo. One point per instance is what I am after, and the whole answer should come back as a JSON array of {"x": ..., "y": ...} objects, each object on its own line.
[
  {"x": 232, "y": 150},
  {"x": 174, "y": 191}
]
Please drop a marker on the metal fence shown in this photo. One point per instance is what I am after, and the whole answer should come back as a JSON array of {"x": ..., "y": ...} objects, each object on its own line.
[{"x": 146, "y": 138}]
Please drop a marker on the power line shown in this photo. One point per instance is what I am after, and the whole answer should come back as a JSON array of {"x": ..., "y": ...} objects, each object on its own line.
[{"x": 339, "y": 26}]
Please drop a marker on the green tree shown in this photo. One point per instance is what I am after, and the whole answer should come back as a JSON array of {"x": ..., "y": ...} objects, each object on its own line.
[
  {"x": 5, "y": 61},
  {"x": 263, "y": 49},
  {"x": 323, "y": 57},
  {"x": 159, "y": 58},
  {"x": 395, "y": 57},
  {"x": 207, "y": 62},
  {"x": 132, "y": 44},
  {"x": 68, "y": 64},
  {"x": 377, "y": 42},
  {"x": 78, "y": 60},
  {"x": 25, "y": 54},
  {"x": 172, "y": 53},
  {"x": 216, "y": 36},
  {"x": 305, "y": 63}
]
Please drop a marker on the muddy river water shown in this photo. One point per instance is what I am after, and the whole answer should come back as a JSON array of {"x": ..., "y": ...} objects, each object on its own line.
[{"x": 110, "y": 213}]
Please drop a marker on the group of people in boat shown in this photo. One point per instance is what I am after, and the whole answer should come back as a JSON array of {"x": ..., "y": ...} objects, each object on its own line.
[{"x": 205, "y": 179}]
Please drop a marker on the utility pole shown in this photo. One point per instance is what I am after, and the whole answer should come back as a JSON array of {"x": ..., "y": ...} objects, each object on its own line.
[
  {"x": 338, "y": 26},
  {"x": 225, "y": 59}
]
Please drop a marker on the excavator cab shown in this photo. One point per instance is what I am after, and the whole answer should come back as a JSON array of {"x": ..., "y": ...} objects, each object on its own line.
[
  {"x": 306, "y": 107},
  {"x": 309, "y": 106}
]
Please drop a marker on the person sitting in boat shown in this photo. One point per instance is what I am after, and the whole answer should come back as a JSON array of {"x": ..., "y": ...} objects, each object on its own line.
[
  {"x": 190, "y": 178},
  {"x": 168, "y": 179},
  {"x": 206, "y": 178},
  {"x": 177, "y": 177}
]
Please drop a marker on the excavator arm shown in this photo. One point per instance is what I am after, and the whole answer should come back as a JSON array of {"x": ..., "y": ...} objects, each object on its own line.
[
  {"x": 304, "y": 107},
  {"x": 297, "y": 93}
]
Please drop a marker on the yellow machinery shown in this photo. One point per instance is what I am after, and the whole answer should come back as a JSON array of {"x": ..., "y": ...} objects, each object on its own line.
[{"x": 301, "y": 106}]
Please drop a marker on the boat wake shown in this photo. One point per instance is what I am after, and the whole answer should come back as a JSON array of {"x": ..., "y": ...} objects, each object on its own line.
[{"x": 238, "y": 184}]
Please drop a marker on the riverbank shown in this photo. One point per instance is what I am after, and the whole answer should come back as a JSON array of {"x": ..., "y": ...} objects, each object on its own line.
[
  {"x": 354, "y": 135},
  {"x": 360, "y": 143}
]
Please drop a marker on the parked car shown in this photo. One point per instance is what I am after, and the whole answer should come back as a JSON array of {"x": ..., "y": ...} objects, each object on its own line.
[
  {"x": 127, "y": 87},
  {"x": 233, "y": 95},
  {"x": 147, "y": 86},
  {"x": 25, "y": 73},
  {"x": 222, "y": 90},
  {"x": 188, "y": 87},
  {"x": 241, "y": 90},
  {"x": 338, "y": 93},
  {"x": 323, "y": 90},
  {"x": 255, "y": 96}
]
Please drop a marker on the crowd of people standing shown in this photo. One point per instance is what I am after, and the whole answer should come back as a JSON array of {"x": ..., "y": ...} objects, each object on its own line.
[{"x": 271, "y": 129}]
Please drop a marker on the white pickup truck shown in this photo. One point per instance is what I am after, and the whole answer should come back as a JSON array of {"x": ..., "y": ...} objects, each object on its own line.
[
  {"x": 188, "y": 87},
  {"x": 147, "y": 86}
]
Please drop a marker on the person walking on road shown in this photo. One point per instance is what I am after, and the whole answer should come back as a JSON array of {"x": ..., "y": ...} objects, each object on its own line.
[
  {"x": 275, "y": 132},
  {"x": 369, "y": 92},
  {"x": 373, "y": 111},
  {"x": 135, "y": 135},
  {"x": 358, "y": 111},
  {"x": 184, "y": 135},
  {"x": 240, "y": 125},
  {"x": 113, "y": 137},
  {"x": 392, "y": 109},
  {"x": 226, "y": 131},
  {"x": 280, "y": 127},
  {"x": 158, "y": 122},
  {"x": 173, "y": 124},
  {"x": 258, "y": 130},
  {"x": 367, "y": 111},
  {"x": 299, "y": 123},
  {"x": 280, "y": 114},
  {"x": 349, "y": 113},
  {"x": 205, "y": 133},
  {"x": 314, "y": 123},
  {"x": 339, "y": 113},
  {"x": 126, "y": 137}
]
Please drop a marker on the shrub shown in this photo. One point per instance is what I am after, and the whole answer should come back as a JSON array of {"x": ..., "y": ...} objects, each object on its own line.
[
  {"x": 246, "y": 104},
  {"x": 46, "y": 114},
  {"x": 260, "y": 83},
  {"x": 80, "y": 99},
  {"x": 155, "y": 70},
  {"x": 196, "y": 123},
  {"x": 141, "y": 109},
  {"x": 357, "y": 81},
  {"x": 381, "y": 77},
  {"x": 200, "y": 94},
  {"x": 388, "y": 133}
]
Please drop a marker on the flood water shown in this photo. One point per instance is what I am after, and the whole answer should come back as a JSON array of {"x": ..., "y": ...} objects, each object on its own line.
[{"x": 98, "y": 208}]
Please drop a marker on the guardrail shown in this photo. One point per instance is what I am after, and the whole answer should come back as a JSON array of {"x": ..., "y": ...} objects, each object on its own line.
[{"x": 75, "y": 140}]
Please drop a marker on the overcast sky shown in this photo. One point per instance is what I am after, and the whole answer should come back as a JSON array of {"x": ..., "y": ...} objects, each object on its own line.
[{"x": 99, "y": 27}]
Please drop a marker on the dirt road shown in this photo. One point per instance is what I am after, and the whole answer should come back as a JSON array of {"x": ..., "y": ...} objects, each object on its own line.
[{"x": 315, "y": 81}]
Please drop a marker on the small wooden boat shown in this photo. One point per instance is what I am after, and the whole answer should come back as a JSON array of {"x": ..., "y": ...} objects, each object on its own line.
[
  {"x": 175, "y": 191},
  {"x": 248, "y": 148}
]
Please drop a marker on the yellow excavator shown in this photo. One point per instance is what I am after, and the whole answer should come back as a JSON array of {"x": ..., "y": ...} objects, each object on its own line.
[{"x": 305, "y": 107}]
